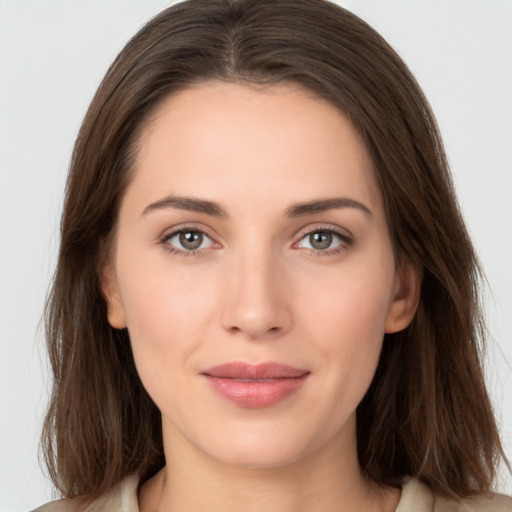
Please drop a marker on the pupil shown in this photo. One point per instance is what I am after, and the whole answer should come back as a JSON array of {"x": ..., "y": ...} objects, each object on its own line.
[
  {"x": 320, "y": 240},
  {"x": 191, "y": 239}
]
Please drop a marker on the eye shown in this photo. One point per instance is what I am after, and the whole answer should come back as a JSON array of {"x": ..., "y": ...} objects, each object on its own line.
[
  {"x": 324, "y": 240},
  {"x": 187, "y": 240}
]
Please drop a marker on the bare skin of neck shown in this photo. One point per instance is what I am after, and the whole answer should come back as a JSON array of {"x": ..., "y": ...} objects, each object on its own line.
[{"x": 323, "y": 481}]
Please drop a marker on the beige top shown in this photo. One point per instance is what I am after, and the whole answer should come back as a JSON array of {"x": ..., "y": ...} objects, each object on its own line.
[{"x": 416, "y": 497}]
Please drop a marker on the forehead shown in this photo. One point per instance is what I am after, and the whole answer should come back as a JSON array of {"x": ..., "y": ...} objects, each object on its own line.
[{"x": 277, "y": 140}]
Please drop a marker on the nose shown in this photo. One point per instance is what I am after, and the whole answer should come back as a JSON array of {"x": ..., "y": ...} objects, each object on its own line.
[{"x": 256, "y": 301}]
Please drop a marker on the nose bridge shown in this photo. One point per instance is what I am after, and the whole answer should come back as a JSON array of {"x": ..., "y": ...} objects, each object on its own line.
[{"x": 255, "y": 301}]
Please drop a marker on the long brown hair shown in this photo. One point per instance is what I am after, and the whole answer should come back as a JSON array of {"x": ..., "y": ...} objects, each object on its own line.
[{"x": 427, "y": 413}]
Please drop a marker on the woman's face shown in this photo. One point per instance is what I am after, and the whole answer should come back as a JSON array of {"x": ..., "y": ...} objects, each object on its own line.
[{"x": 253, "y": 268}]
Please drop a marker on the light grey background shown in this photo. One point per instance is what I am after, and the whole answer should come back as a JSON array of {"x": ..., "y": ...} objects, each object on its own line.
[{"x": 53, "y": 53}]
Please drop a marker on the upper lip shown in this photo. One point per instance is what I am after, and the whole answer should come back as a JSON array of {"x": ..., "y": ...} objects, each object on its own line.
[{"x": 241, "y": 370}]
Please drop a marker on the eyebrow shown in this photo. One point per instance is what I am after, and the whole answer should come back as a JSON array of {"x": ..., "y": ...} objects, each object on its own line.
[
  {"x": 323, "y": 205},
  {"x": 297, "y": 210},
  {"x": 187, "y": 203}
]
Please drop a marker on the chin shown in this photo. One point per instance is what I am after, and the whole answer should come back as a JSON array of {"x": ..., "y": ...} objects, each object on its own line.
[
  {"x": 270, "y": 454},
  {"x": 264, "y": 444}
]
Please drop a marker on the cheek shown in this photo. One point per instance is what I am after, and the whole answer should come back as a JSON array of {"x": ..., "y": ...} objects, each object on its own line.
[
  {"x": 354, "y": 334},
  {"x": 346, "y": 320},
  {"x": 349, "y": 305},
  {"x": 166, "y": 312}
]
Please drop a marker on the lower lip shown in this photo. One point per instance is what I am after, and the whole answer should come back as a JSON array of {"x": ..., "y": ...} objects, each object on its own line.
[{"x": 256, "y": 394}]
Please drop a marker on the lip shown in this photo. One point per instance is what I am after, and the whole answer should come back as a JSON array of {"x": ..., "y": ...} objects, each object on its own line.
[{"x": 255, "y": 386}]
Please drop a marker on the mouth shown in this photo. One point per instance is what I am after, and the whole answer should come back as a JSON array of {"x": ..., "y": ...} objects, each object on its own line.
[{"x": 255, "y": 386}]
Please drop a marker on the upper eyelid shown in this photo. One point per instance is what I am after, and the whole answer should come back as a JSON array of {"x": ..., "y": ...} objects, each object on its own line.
[
  {"x": 170, "y": 232},
  {"x": 307, "y": 230}
]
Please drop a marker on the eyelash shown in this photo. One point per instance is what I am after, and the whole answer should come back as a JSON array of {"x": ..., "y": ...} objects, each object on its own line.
[{"x": 345, "y": 241}]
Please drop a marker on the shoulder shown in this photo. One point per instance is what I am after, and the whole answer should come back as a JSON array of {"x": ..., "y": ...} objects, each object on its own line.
[
  {"x": 484, "y": 503},
  {"x": 121, "y": 498},
  {"x": 417, "y": 497}
]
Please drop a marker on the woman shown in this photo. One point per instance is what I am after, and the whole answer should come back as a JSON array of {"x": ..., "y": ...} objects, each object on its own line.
[{"x": 265, "y": 295}]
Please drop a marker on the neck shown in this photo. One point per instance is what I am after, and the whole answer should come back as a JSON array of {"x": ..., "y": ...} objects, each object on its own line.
[{"x": 327, "y": 480}]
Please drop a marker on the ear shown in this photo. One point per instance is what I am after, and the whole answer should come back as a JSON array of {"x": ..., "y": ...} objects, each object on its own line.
[
  {"x": 406, "y": 298},
  {"x": 109, "y": 287}
]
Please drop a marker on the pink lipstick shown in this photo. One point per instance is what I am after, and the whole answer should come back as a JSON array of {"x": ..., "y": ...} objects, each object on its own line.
[{"x": 255, "y": 386}]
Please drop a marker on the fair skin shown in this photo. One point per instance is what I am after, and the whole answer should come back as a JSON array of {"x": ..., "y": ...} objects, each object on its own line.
[{"x": 255, "y": 278}]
